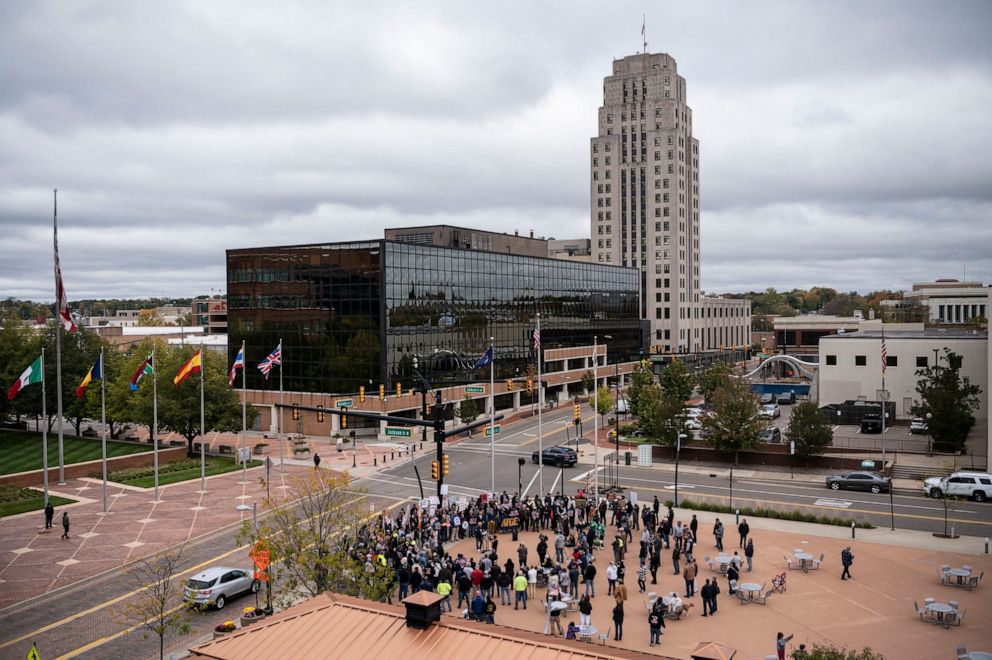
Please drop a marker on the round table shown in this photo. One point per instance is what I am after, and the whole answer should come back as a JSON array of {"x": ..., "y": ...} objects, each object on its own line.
[
  {"x": 586, "y": 632},
  {"x": 980, "y": 655},
  {"x": 751, "y": 587},
  {"x": 959, "y": 573},
  {"x": 723, "y": 560},
  {"x": 805, "y": 559},
  {"x": 940, "y": 609}
]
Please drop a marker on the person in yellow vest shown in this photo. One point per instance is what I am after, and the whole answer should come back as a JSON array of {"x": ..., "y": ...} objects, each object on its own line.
[{"x": 444, "y": 589}]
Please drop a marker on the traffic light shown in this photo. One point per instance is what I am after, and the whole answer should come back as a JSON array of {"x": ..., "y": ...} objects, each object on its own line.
[
  {"x": 509, "y": 384},
  {"x": 361, "y": 393},
  {"x": 344, "y": 419},
  {"x": 320, "y": 413},
  {"x": 444, "y": 465},
  {"x": 399, "y": 389},
  {"x": 576, "y": 412},
  {"x": 382, "y": 392},
  {"x": 435, "y": 471},
  {"x": 530, "y": 386},
  {"x": 296, "y": 412},
  {"x": 429, "y": 409}
]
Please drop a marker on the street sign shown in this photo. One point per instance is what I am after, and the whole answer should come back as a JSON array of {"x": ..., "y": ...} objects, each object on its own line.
[
  {"x": 489, "y": 430},
  {"x": 398, "y": 432},
  {"x": 343, "y": 403},
  {"x": 475, "y": 389},
  {"x": 792, "y": 446}
]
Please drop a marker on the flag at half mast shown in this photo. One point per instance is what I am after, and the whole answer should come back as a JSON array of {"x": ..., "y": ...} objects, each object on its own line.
[
  {"x": 146, "y": 368},
  {"x": 30, "y": 376}
]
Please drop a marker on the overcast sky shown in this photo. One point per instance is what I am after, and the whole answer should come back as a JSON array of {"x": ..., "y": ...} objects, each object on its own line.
[{"x": 842, "y": 144}]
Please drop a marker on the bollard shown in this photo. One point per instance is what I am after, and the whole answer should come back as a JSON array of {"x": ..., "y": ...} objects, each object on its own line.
[
  {"x": 375, "y": 461},
  {"x": 421, "y": 445},
  {"x": 391, "y": 455},
  {"x": 952, "y": 531},
  {"x": 986, "y": 545},
  {"x": 738, "y": 517},
  {"x": 852, "y": 529},
  {"x": 383, "y": 459}
]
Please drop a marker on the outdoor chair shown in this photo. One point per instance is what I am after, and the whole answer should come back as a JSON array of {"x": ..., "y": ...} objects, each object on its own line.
[
  {"x": 764, "y": 599},
  {"x": 954, "y": 604},
  {"x": 924, "y": 614},
  {"x": 944, "y": 577},
  {"x": 974, "y": 581},
  {"x": 958, "y": 618},
  {"x": 741, "y": 596},
  {"x": 962, "y": 652},
  {"x": 788, "y": 562},
  {"x": 944, "y": 568},
  {"x": 818, "y": 562},
  {"x": 966, "y": 567},
  {"x": 603, "y": 637}
]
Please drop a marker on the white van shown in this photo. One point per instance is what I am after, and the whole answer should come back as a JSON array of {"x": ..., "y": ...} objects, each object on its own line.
[{"x": 976, "y": 485}]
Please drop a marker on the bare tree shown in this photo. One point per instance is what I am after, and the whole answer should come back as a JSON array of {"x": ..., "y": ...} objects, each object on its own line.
[{"x": 157, "y": 608}]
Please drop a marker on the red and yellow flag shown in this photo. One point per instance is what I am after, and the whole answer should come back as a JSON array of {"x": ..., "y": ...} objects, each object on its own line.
[{"x": 192, "y": 366}]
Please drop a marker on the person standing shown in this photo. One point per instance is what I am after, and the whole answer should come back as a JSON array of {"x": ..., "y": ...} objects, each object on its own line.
[
  {"x": 585, "y": 611},
  {"x": 656, "y": 621},
  {"x": 732, "y": 577},
  {"x": 444, "y": 589},
  {"x": 618, "y": 621},
  {"x": 504, "y": 582},
  {"x": 780, "y": 643},
  {"x": 611, "y": 578},
  {"x": 642, "y": 574},
  {"x": 743, "y": 530},
  {"x": 707, "y": 593},
  {"x": 590, "y": 576},
  {"x": 718, "y": 534},
  {"x": 620, "y": 593},
  {"x": 846, "y": 558},
  {"x": 689, "y": 574},
  {"x": 65, "y": 524},
  {"x": 316, "y": 461},
  {"x": 749, "y": 553},
  {"x": 520, "y": 587},
  {"x": 694, "y": 526},
  {"x": 676, "y": 554},
  {"x": 49, "y": 515}
]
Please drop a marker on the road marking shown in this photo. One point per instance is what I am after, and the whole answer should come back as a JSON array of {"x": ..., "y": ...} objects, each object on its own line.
[
  {"x": 531, "y": 483},
  {"x": 585, "y": 475},
  {"x": 555, "y": 482},
  {"x": 839, "y": 504},
  {"x": 684, "y": 486}
]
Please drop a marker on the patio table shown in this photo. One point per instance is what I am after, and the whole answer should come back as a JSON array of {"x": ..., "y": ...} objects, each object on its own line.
[
  {"x": 751, "y": 588},
  {"x": 587, "y": 632},
  {"x": 940, "y": 609},
  {"x": 805, "y": 560},
  {"x": 960, "y": 574}
]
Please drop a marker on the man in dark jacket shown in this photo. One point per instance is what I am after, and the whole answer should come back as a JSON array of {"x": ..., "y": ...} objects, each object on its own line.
[
  {"x": 706, "y": 592},
  {"x": 49, "y": 515},
  {"x": 846, "y": 558},
  {"x": 743, "y": 530},
  {"x": 464, "y": 589},
  {"x": 590, "y": 576}
]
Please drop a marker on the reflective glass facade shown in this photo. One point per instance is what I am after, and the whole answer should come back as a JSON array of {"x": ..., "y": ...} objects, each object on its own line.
[{"x": 354, "y": 314}]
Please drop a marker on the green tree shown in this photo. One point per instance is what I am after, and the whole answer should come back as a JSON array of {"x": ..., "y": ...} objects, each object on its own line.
[
  {"x": 18, "y": 349},
  {"x": 468, "y": 411},
  {"x": 605, "y": 400},
  {"x": 733, "y": 424},
  {"x": 713, "y": 378},
  {"x": 640, "y": 381},
  {"x": 152, "y": 608},
  {"x": 179, "y": 407},
  {"x": 809, "y": 430},
  {"x": 588, "y": 381},
  {"x": 676, "y": 381},
  {"x": 947, "y": 402},
  {"x": 662, "y": 417}
]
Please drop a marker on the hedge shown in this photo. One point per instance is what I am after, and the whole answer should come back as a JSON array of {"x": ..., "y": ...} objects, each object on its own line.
[{"x": 797, "y": 516}]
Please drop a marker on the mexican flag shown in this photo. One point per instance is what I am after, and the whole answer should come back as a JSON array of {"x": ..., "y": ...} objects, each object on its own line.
[{"x": 31, "y": 375}]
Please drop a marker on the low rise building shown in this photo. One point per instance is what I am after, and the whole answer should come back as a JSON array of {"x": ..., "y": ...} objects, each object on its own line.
[{"x": 949, "y": 301}]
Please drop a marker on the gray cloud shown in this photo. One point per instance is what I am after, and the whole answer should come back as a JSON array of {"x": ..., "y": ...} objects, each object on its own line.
[{"x": 178, "y": 130}]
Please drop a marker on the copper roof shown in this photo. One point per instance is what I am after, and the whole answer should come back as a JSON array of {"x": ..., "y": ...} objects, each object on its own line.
[
  {"x": 713, "y": 651},
  {"x": 342, "y": 627}
]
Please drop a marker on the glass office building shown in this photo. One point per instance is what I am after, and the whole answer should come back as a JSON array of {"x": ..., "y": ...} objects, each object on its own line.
[{"x": 359, "y": 313}]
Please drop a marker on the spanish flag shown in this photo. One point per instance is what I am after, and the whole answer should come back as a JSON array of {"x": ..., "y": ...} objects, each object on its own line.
[
  {"x": 95, "y": 373},
  {"x": 191, "y": 367}
]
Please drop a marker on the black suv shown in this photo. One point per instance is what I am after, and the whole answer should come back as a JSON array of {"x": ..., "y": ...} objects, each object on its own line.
[
  {"x": 871, "y": 423},
  {"x": 558, "y": 456},
  {"x": 786, "y": 398}
]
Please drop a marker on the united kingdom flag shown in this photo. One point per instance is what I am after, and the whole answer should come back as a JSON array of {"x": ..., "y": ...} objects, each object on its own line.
[{"x": 274, "y": 358}]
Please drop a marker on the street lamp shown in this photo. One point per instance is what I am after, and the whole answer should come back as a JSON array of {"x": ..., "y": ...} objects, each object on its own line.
[
  {"x": 678, "y": 450},
  {"x": 929, "y": 434}
]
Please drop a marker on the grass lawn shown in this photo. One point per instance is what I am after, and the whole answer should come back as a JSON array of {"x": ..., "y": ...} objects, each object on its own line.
[
  {"x": 170, "y": 473},
  {"x": 18, "y": 500},
  {"x": 20, "y": 451}
]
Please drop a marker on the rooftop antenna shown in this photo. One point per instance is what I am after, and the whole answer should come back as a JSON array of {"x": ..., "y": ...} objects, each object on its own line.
[{"x": 644, "y": 36}]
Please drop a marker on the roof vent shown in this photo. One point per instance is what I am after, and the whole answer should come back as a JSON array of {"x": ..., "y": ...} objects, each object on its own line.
[{"x": 422, "y": 609}]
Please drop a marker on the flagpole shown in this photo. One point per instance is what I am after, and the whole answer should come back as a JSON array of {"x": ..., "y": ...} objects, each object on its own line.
[
  {"x": 58, "y": 336},
  {"x": 44, "y": 433},
  {"x": 595, "y": 417},
  {"x": 884, "y": 395},
  {"x": 155, "y": 420},
  {"x": 244, "y": 412},
  {"x": 540, "y": 412},
  {"x": 103, "y": 423},
  {"x": 492, "y": 418},
  {"x": 203, "y": 428},
  {"x": 282, "y": 359}
]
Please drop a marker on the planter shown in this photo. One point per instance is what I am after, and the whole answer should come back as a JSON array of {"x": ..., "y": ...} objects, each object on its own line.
[
  {"x": 218, "y": 635},
  {"x": 261, "y": 449}
]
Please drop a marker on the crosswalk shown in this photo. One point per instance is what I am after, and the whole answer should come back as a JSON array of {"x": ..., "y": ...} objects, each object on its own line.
[{"x": 837, "y": 504}]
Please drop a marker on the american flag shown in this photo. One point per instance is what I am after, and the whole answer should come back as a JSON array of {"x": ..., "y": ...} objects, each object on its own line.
[
  {"x": 274, "y": 358},
  {"x": 884, "y": 355},
  {"x": 239, "y": 363},
  {"x": 537, "y": 339}
]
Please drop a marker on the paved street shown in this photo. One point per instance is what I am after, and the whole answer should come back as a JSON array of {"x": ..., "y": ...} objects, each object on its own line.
[{"x": 77, "y": 616}]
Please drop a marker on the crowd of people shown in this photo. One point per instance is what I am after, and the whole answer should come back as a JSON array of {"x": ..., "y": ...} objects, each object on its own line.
[{"x": 413, "y": 543}]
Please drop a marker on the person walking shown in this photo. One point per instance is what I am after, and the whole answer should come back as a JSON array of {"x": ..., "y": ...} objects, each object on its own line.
[
  {"x": 689, "y": 575},
  {"x": 520, "y": 587},
  {"x": 316, "y": 461},
  {"x": 65, "y": 524},
  {"x": 618, "y": 621},
  {"x": 846, "y": 558},
  {"x": 743, "y": 530},
  {"x": 656, "y": 621},
  {"x": 585, "y": 611},
  {"x": 49, "y": 515},
  {"x": 642, "y": 574},
  {"x": 732, "y": 577},
  {"x": 749, "y": 553},
  {"x": 780, "y": 641}
]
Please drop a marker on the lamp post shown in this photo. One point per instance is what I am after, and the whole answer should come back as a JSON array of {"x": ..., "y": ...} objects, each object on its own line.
[
  {"x": 678, "y": 451},
  {"x": 929, "y": 435},
  {"x": 595, "y": 418},
  {"x": 520, "y": 480}
]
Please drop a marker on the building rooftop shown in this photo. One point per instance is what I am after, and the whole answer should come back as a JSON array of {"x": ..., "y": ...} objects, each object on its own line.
[
  {"x": 356, "y": 628},
  {"x": 929, "y": 333}
]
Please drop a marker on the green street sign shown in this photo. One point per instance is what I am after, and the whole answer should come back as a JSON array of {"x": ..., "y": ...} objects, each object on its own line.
[
  {"x": 489, "y": 430},
  {"x": 475, "y": 389},
  {"x": 343, "y": 403},
  {"x": 398, "y": 432}
]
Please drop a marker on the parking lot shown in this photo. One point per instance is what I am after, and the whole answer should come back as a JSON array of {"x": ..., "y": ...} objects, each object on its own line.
[{"x": 896, "y": 438}]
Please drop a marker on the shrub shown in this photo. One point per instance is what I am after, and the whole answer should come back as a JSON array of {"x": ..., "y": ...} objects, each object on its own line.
[{"x": 796, "y": 515}]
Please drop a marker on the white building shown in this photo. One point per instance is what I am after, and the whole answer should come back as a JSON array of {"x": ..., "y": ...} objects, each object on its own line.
[{"x": 951, "y": 301}]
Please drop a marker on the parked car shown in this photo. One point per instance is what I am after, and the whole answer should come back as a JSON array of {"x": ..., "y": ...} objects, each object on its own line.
[
  {"x": 558, "y": 456},
  {"x": 770, "y": 411},
  {"x": 772, "y": 434},
  {"x": 216, "y": 585},
  {"x": 976, "y": 485},
  {"x": 870, "y": 481},
  {"x": 871, "y": 423},
  {"x": 786, "y": 398},
  {"x": 767, "y": 398},
  {"x": 918, "y": 426}
]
